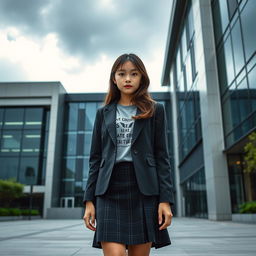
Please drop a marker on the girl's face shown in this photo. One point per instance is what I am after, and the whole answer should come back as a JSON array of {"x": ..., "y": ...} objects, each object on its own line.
[{"x": 127, "y": 78}]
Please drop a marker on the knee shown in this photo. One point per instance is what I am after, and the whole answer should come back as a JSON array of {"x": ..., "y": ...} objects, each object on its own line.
[{"x": 113, "y": 249}]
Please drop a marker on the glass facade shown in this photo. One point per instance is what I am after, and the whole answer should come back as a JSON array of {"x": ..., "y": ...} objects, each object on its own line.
[
  {"x": 194, "y": 195},
  {"x": 23, "y": 144},
  {"x": 185, "y": 80},
  {"x": 235, "y": 37},
  {"x": 77, "y": 142}
]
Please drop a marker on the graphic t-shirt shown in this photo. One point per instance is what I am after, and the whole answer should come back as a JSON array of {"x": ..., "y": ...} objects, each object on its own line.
[{"x": 124, "y": 130}]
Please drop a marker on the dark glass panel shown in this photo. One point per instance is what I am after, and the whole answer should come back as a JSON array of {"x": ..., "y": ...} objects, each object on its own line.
[
  {"x": 71, "y": 143},
  {"x": 31, "y": 142},
  {"x": 33, "y": 118},
  {"x": 1, "y": 117},
  {"x": 72, "y": 116},
  {"x": 224, "y": 14},
  {"x": 70, "y": 168},
  {"x": 232, "y": 5},
  {"x": 68, "y": 188},
  {"x": 222, "y": 70},
  {"x": 87, "y": 142},
  {"x": 229, "y": 61},
  {"x": 252, "y": 86},
  {"x": 14, "y": 118},
  {"x": 9, "y": 167},
  {"x": 86, "y": 168},
  {"x": 90, "y": 115},
  {"x": 237, "y": 46},
  {"x": 248, "y": 25},
  {"x": 10, "y": 142},
  {"x": 28, "y": 170}
]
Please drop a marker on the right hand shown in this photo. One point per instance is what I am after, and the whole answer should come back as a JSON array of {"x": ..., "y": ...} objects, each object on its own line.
[{"x": 89, "y": 216}]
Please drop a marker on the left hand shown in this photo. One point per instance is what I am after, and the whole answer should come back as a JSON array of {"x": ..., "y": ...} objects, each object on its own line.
[{"x": 164, "y": 209}]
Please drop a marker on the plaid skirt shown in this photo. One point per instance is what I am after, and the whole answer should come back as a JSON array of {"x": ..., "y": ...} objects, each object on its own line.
[{"x": 125, "y": 215}]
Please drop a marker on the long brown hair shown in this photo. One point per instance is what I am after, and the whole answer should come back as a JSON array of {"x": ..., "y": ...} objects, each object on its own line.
[{"x": 141, "y": 98}]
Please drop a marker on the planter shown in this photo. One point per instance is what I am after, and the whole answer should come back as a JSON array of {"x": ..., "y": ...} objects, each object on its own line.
[
  {"x": 244, "y": 217},
  {"x": 11, "y": 218}
]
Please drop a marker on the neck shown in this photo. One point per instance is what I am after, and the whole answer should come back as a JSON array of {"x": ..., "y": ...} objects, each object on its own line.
[{"x": 125, "y": 100}]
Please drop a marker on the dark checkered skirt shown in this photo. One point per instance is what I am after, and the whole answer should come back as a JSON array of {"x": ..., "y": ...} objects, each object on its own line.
[{"x": 125, "y": 215}]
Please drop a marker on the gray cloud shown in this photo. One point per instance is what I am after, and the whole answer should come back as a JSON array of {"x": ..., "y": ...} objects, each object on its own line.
[{"x": 85, "y": 29}]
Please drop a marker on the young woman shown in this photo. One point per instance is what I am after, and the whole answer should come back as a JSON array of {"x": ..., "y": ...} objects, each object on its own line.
[{"x": 129, "y": 189}]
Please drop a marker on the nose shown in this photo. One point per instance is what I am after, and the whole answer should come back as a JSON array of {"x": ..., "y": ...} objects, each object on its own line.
[{"x": 127, "y": 78}]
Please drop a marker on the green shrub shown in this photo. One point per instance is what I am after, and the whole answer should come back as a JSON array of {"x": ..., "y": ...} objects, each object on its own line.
[
  {"x": 14, "y": 212},
  {"x": 248, "y": 207},
  {"x": 25, "y": 212},
  {"x": 9, "y": 190},
  {"x": 4, "y": 212}
]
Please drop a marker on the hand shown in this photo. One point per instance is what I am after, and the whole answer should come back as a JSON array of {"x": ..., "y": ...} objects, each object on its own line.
[
  {"x": 89, "y": 216},
  {"x": 164, "y": 209}
]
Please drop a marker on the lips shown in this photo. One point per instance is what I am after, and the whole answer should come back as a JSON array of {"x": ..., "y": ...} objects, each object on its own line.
[{"x": 127, "y": 86}]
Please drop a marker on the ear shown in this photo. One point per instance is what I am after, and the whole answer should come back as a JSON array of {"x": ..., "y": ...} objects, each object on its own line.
[{"x": 114, "y": 80}]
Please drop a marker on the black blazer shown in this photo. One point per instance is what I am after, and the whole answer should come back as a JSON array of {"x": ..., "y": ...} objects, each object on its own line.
[{"x": 149, "y": 152}]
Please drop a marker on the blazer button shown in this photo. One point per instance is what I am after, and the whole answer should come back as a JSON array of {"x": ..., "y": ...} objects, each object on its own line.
[{"x": 135, "y": 151}]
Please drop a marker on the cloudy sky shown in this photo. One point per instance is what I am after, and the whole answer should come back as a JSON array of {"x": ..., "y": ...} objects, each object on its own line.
[{"x": 77, "y": 41}]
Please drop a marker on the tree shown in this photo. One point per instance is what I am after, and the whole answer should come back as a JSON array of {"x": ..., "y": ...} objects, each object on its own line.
[
  {"x": 250, "y": 154},
  {"x": 9, "y": 190}
]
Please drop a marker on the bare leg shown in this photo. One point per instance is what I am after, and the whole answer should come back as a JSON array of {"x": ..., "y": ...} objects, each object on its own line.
[
  {"x": 113, "y": 249},
  {"x": 139, "y": 249}
]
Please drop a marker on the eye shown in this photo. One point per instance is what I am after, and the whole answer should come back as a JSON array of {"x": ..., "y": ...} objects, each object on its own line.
[
  {"x": 121, "y": 74},
  {"x": 134, "y": 74}
]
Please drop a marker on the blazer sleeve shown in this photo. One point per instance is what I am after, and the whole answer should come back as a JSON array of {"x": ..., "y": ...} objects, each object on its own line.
[
  {"x": 162, "y": 156},
  {"x": 94, "y": 159}
]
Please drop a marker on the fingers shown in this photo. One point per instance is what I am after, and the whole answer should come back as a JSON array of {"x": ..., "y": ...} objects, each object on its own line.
[
  {"x": 89, "y": 220},
  {"x": 167, "y": 220}
]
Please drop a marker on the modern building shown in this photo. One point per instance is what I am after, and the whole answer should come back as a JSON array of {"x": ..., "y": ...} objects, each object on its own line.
[
  {"x": 45, "y": 140},
  {"x": 210, "y": 69}
]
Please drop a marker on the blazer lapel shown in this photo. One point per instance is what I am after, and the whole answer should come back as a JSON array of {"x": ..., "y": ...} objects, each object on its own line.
[{"x": 110, "y": 121}]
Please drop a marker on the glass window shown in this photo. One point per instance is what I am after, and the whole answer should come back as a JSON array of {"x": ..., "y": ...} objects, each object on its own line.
[
  {"x": 91, "y": 109},
  {"x": 248, "y": 25},
  {"x": 72, "y": 116},
  {"x": 14, "y": 118},
  {"x": 1, "y": 117},
  {"x": 68, "y": 188},
  {"x": 224, "y": 14},
  {"x": 87, "y": 142},
  {"x": 243, "y": 99},
  {"x": 86, "y": 168},
  {"x": 237, "y": 46},
  {"x": 9, "y": 167},
  {"x": 190, "y": 24},
  {"x": 28, "y": 170},
  {"x": 10, "y": 142},
  {"x": 31, "y": 142},
  {"x": 252, "y": 85},
  {"x": 232, "y": 5},
  {"x": 71, "y": 145},
  {"x": 189, "y": 72},
  {"x": 222, "y": 70},
  {"x": 184, "y": 44},
  {"x": 33, "y": 118},
  {"x": 229, "y": 61},
  {"x": 70, "y": 168}
]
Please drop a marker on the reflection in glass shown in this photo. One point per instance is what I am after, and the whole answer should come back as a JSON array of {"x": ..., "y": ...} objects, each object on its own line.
[
  {"x": 27, "y": 165},
  {"x": 194, "y": 194},
  {"x": 9, "y": 167},
  {"x": 237, "y": 46},
  {"x": 10, "y": 142},
  {"x": 72, "y": 116},
  {"x": 229, "y": 61},
  {"x": 248, "y": 25},
  {"x": 33, "y": 118},
  {"x": 13, "y": 118},
  {"x": 90, "y": 115},
  {"x": 31, "y": 141}
]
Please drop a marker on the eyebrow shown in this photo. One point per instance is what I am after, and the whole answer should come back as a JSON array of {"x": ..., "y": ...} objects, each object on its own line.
[{"x": 125, "y": 70}]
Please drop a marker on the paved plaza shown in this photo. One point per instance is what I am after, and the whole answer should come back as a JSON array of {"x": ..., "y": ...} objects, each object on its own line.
[{"x": 189, "y": 236}]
